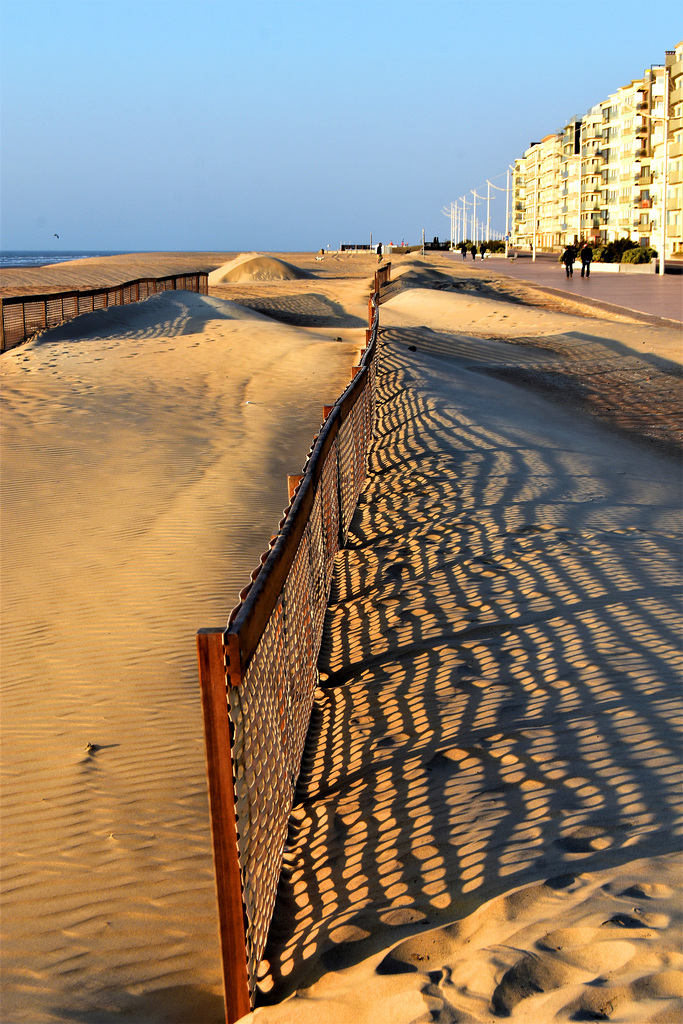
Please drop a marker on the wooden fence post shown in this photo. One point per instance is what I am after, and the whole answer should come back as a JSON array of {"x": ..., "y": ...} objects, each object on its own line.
[{"x": 212, "y": 677}]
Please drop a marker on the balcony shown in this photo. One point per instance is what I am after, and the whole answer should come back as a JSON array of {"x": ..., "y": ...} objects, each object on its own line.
[
  {"x": 641, "y": 131},
  {"x": 640, "y": 153}
]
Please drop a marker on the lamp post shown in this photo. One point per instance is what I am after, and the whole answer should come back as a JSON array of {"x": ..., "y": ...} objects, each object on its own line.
[
  {"x": 464, "y": 218},
  {"x": 474, "y": 214},
  {"x": 488, "y": 210},
  {"x": 507, "y": 210},
  {"x": 537, "y": 172},
  {"x": 506, "y": 190}
]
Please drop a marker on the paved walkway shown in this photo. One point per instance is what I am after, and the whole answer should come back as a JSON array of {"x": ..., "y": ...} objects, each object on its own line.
[{"x": 645, "y": 293}]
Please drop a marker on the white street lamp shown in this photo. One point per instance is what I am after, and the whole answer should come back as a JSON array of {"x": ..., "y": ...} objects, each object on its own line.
[
  {"x": 464, "y": 218},
  {"x": 474, "y": 214}
]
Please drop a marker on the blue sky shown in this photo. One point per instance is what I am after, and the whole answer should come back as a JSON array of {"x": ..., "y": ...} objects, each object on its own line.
[{"x": 288, "y": 124}]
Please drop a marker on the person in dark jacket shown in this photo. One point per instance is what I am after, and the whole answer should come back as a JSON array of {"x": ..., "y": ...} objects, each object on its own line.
[
  {"x": 473, "y": 250},
  {"x": 568, "y": 257},
  {"x": 586, "y": 260},
  {"x": 379, "y": 253}
]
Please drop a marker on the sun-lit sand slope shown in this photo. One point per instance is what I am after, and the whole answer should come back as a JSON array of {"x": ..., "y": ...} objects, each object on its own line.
[
  {"x": 144, "y": 459},
  {"x": 488, "y": 818},
  {"x": 256, "y": 267}
]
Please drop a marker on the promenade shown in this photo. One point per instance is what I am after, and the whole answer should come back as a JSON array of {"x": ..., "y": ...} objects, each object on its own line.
[{"x": 645, "y": 293}]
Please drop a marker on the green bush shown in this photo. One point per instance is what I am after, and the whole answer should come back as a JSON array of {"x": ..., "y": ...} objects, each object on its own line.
[
  {"x": 640, "y": 254},
  {"x": 613, "y": 252}
]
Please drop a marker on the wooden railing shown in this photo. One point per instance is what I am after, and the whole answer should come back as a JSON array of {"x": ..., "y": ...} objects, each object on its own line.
[
  {"x": 23, "y": 316},
  {"x": 259, "y": 675}
]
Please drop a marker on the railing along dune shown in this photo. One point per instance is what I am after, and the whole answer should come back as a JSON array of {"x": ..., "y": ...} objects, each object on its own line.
[
  {"x": 23, "y": 316},
  {"x": 258, "y": 677}
]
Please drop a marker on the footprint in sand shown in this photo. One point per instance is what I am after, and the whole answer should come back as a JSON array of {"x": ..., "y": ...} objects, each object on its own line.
[{"x": 586, "y": 839}]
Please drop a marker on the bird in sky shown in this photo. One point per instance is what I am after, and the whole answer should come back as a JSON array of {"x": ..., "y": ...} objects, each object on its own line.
[{"x": 56, "y": 236}]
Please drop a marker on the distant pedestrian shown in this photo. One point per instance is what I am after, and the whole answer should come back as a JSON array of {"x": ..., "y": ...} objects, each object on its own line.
[
  {"x": 586, "y": 260},
  {"x": 568, "y": 257},
  {"x": 379, "y": 253},
  {"x": 463, "y": 251},
  {"x": 473, "y": 250}
]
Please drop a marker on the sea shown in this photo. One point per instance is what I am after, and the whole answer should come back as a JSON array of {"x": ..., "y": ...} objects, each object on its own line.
[{"x": 37, "y": 258}]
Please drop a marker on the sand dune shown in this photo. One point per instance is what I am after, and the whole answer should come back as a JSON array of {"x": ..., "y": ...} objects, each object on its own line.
[
  {"x": 255, "y": 267},
  {"x": 144, "y": 461}
]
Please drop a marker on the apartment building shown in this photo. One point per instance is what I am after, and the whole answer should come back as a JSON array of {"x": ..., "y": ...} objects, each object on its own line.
[
  {"x": 536, "y": 193},
  {"x": 615, "y": 172}
]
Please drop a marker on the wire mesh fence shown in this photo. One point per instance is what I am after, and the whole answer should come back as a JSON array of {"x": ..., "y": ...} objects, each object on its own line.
[
  {"x": 23, "y": 316},
  {"x": 258, "y": 678}
]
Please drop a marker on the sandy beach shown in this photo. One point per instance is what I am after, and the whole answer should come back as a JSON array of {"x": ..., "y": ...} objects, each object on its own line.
[{"x": 488, "y": 818}]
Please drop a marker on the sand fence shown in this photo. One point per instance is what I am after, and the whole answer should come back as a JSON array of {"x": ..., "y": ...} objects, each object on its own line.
[
  {"x": 266, "y": 660},
  {"x": 23, "y": 316}
]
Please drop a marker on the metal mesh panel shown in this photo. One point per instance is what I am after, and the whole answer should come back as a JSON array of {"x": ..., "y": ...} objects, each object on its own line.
[
  {"x": 34, "y": 316},
  {"x": 54, "y": 312},
  {"x": 330, "y": 511},
  {"x": 13, "y": 323},
  {"x": 70, "y": 306},
  {"x": 302, "y": 653},
  {"x": 346, "y": 472},
  {"x": 263, "y": 785},
  {"x": 318, "y": 568}
]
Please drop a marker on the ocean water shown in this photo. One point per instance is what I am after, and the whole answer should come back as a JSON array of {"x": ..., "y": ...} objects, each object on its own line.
[{"x": 35, "y": 258}]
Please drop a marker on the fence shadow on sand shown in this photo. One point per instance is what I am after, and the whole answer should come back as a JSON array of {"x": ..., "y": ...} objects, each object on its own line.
[{"x": 498, "y": 673}]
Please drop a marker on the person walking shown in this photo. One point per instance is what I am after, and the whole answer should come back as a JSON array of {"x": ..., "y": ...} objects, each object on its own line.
[
  {"x": 586, "y": 260},
  {"x": 473, "y": 250},
  {"x": 379, "y": 253},
  {"x": 568, "y": 257}
]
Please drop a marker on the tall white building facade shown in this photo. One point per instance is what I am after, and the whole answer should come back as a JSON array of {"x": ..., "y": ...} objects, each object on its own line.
[{"x": 614, "y": 173}]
